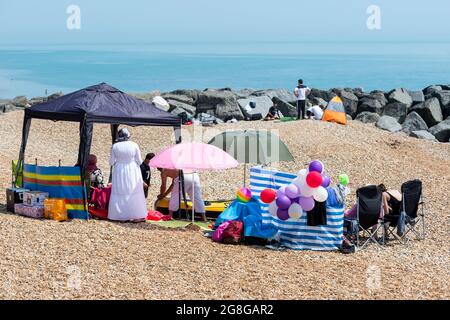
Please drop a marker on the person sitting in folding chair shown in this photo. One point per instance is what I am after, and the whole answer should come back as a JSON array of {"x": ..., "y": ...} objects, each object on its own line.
[
  {"x": 365, "y": 216},
  {"x": 392, "y": 200},
  {"x": 407, "y": 215}
]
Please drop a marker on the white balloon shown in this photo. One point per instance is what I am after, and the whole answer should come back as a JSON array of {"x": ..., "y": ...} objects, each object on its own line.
[
  {"x": 306, "y": 191},
  {"x": 295, "y": 211},
  {"x": 320, "y": 194},
  {"x": 273, "y": 208},
  {"x": 302, "y": 173}
]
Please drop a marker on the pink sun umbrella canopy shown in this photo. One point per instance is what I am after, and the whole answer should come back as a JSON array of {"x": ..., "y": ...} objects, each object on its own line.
[{"x": 193, "y": 156}]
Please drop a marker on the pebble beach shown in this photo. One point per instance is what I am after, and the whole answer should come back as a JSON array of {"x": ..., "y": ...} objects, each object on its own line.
[{"x": 143, "y": 261}]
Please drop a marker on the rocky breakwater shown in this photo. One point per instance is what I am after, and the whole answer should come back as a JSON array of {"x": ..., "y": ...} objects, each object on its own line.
[{"x": 423, "y": 114}]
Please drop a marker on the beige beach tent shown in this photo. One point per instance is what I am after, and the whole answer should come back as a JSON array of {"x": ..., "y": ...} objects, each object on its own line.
[{"x": 335, "y": 111}]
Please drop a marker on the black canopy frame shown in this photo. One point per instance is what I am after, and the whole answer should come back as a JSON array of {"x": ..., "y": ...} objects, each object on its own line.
[{"x": 102, "y": 104}]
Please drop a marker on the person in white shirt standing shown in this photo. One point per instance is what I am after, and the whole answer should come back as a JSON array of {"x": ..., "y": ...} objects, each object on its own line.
[{"x": 301, "y": 92}]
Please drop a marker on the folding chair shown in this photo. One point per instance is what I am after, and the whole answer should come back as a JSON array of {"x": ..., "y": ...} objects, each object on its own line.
[
  {"x": 369, "y": 202},
  {"x": 413, "y": 206}
]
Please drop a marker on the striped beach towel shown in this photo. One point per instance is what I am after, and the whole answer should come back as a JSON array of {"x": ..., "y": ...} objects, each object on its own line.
[
  {"x": 296, "y": 234},
  {"x": 59, "y": 182}
]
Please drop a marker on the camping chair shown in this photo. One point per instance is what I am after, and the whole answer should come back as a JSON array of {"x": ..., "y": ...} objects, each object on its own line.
[
  {"x": 369, "y": 202},
  {"x": 413, "y": 206}
]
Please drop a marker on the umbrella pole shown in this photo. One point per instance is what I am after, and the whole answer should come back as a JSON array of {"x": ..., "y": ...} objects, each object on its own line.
[
  {"x": 193, "y": 197},
  {"x": 245, "y": 173}
]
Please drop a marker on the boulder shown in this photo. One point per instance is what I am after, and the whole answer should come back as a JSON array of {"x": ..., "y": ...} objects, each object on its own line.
[
  {"x": 441, "y": 131},
  {"x": 444, "y": 98},
  {"x": 359, "y": 92},
  {"x": 417, "y": 96},
  {"x": 380, "y": 96},
  {"x": 325, "y": 95},
  {"x": 316, "y": 101},
  {"x": 20, "y": 102},
  {"x": 55, "y": 95},
  {"x": 350, "y": 102},
  {"x": 422, "y": 134},
  {"x": 7, "y": 108},
  {"x": 389, "y": 123},
  {"x": 179, "y": 97},
  {"x": 37, "y": 100},
  {"x": 282, "y": 94},
  {"x": 400, "y": 95},
  {"x": 371, "y": 105},
  {"x": 262, "y": 105},
  {"x": 146, "y": 96},
  {"x": 414, "y": 122},
  {"x": 193, "y": 94},
  {"x": 244, "y": 93},
  {"x": 396, "y": 110},
  {"x": 368, "y": 117},
  {"x": 430, "y": 111},
  {"x": 286, "y": 109},
  {"x": 175, "y": 104},
  {"x": 349, "y": 117},
  {"x": 221, "y": 104},
  {"x": 431, "y": 89}
]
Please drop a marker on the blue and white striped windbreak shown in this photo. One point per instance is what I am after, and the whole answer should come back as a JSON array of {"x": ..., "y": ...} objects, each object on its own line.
[{"x": 296, "y": 234}]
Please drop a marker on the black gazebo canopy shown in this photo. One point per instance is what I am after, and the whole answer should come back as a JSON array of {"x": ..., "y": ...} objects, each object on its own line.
[{"x": 101, "y": 103}]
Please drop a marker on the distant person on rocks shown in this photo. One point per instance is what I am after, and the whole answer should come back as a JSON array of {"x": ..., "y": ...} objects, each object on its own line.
[
  {"x": 315, "y": 112},
  {"x": 146, "y": 172},
  {"x": 301, "y": 92},
  {"x": 273, "y": 113}
]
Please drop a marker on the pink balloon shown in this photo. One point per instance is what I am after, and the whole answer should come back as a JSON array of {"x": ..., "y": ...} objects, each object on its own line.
[{"x": 307, "y": 204}]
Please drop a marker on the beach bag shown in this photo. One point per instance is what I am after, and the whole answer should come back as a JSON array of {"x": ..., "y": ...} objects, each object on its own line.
[
  {"x": 55, "y": 209},
  {"x": 217, "y": 235},
  {"x": 233, "y": 232}
]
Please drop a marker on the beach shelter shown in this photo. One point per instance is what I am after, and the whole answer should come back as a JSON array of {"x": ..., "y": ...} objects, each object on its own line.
[
  {"x": 253, "y": 146},
  {"x": 335, "y": 111},
  {"x": 100, "y": 103}
]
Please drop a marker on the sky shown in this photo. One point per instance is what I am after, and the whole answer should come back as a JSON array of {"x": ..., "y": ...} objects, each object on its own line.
[{"x": 42, "y": 22}]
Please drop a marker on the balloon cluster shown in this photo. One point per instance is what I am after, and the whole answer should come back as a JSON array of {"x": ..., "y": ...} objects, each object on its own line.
[{"x": 290, "y": 201}]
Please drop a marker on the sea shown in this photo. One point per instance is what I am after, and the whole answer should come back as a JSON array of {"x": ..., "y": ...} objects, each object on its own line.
[{"x": 33, "y": 70}]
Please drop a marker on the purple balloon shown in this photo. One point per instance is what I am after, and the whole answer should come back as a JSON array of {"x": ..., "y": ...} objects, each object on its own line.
[
  {"x": 283, "y": 214},
  {"x": 307, "y": 204},
  {"x": 296, "y": 200},
  {"x": 292, "y": 191},
  {"x": 326, "y": 181},
  {"x": 283, "y": 202},
  {"x": 316, "y": 165},
  {"x": 281, "y": 192}
]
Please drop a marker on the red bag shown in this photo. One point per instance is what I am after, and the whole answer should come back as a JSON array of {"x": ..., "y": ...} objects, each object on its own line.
[
  {"x": 157, "y": 216},
  {"x": 233, "y": 232},
  {"x": 154, "y": 215}
]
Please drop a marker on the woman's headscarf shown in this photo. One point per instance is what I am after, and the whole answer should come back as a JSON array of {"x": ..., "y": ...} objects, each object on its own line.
[
  {"x": 92, "y": 163},
  {"x": 123, "y": 135}
]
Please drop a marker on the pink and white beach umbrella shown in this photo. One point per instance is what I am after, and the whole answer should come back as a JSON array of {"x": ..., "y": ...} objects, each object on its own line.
[{"x": 193, "y": 156}]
